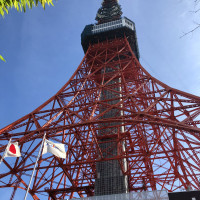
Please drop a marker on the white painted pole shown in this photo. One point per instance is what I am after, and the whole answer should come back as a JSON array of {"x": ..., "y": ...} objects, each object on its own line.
[
  {"x": 39, "y": 153},
  {"x": 5, "y": 151}
]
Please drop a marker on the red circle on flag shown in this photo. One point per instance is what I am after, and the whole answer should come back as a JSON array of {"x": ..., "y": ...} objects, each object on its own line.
[{"x": 12, "y": 149}]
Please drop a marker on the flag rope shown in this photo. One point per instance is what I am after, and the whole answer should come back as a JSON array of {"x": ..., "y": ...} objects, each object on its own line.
[{"x": 39, "y": 153}]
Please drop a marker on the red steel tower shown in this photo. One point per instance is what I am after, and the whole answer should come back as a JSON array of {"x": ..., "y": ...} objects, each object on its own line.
[{"x": 123, "y": 129}]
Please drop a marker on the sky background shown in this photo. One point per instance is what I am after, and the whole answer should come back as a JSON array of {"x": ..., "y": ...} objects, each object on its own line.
[{"x": 43, "y": 49}]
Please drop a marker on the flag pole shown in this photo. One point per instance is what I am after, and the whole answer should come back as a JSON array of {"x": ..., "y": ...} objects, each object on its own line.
[
  {"x": 5, "y": 151},
  {"x": 39, "y": 153}
]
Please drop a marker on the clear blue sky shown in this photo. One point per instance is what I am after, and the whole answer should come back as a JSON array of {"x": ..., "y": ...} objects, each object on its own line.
[{"x": 43, "y": 49}]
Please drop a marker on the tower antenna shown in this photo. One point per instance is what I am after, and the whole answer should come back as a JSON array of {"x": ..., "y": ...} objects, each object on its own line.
[{"x": 109, "y": 11}]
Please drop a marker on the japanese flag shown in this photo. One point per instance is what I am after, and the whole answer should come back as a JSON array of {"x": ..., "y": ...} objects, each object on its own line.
[
  {"x": 56, "y": 149},
  {"x": 13, "y": 150}
]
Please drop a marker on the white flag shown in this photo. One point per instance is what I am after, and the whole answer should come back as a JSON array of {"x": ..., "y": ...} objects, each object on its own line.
[
  {"x": 56, "y": 149},
  {"x": 13, "y": 150}
]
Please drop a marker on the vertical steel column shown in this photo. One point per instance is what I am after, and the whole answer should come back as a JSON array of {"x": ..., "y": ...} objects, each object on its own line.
[{"x": 110, "y": 179}]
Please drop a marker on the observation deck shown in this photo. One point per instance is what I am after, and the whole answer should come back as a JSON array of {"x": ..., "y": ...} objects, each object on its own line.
[{"x": 95, "y": 33}]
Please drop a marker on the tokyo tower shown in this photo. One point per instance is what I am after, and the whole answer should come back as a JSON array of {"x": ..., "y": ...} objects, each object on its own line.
[{"x": 124, "y": 131}]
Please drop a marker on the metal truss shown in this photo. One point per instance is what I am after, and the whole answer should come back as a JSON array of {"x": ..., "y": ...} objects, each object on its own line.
[{"x": 160, "y": 130}]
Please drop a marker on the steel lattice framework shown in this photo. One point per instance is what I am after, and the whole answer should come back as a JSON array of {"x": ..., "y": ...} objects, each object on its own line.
[{"x": 160, "y": 123}]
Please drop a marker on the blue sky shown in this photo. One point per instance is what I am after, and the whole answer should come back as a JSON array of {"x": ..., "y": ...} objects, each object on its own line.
[{"x": 43, "y": 49}]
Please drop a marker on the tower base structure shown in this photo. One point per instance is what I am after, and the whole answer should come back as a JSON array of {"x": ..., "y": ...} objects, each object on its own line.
[
  {"x": 159, "y": 126},
  {"x": 147, "y": 195}
]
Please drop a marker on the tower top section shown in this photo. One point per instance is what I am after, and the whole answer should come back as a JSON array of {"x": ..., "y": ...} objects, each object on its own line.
[
  {"x": 110, "y": 11},
  {"x": 111, "y": 25}
]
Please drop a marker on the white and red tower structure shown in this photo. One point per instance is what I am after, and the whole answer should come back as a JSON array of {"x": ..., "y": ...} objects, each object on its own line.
[{"x": 123, "y": 129}]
